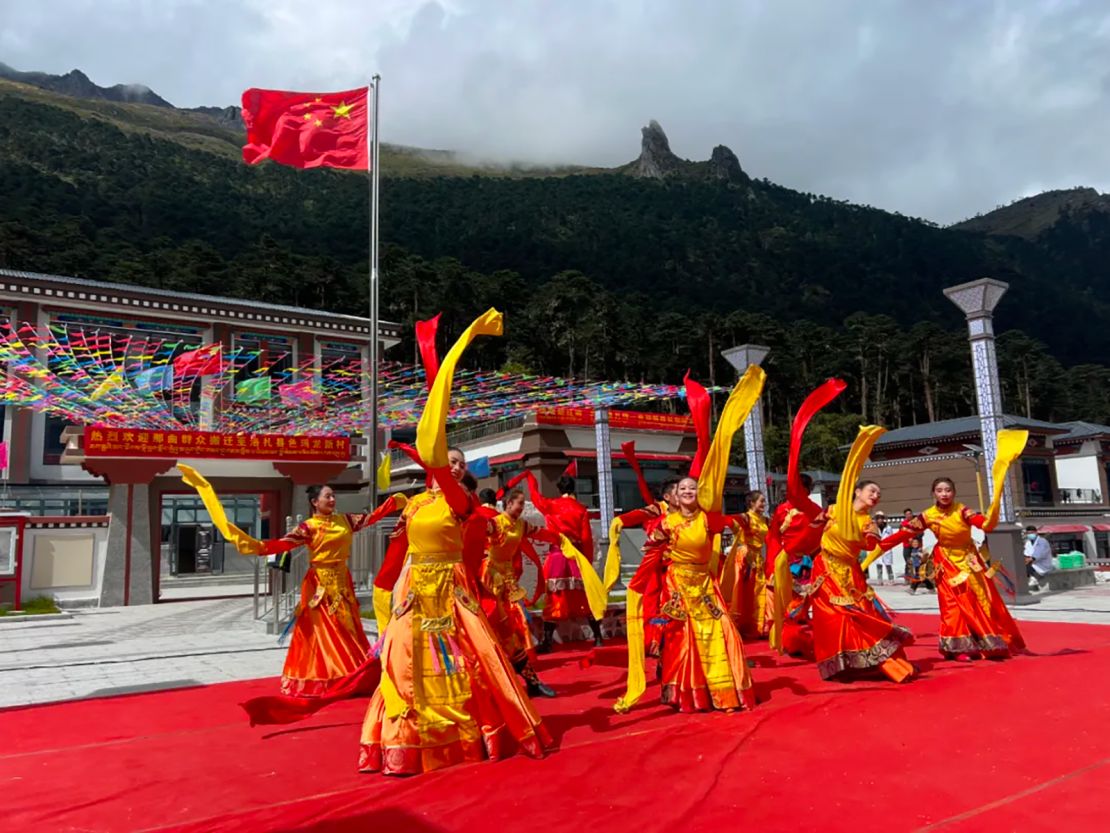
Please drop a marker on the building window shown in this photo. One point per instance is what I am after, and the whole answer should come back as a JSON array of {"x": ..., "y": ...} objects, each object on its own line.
[
  {"x": 52, "y": 443},
  {"x": 1038, "y": 483}
]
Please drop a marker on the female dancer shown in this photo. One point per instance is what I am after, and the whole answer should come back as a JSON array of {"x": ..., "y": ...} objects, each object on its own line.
[
  {"x": 566, "y": 593},
  {"x": 851, "y": 628},
  {"x": 447, "y": 693},
  {"x": 328, "y": 642},
  {"x": 501, "y": 570},
  {"x": 703, "y": 657},
  {"x": 974, "y": 621},
  {"x": 744, "y": 581}
]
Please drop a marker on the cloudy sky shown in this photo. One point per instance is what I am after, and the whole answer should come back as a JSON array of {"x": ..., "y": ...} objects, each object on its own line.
[{"x": 936, "y": 109}]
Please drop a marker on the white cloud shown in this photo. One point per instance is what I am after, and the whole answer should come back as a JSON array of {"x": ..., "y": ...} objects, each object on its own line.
[{"x": 933, "y": 109}]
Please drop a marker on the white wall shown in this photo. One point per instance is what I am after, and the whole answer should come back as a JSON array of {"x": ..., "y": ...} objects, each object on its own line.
[{"x": 64, "y": 554}]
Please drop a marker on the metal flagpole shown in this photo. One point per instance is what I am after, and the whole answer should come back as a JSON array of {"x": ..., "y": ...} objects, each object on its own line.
[{"x": 372, "y": 138}]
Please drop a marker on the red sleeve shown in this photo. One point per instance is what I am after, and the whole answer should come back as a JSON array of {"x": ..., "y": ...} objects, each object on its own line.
[
  {"x": 541, "y": 533},
  {"x": 462, "y": 503},
  {"x": 639, "y": 517},
  {"x": 475, "y": 535},
  {"x": 301, "y": 536},
  {"x": 742, "y": 521},
  {"x": 975, "y": 519},
  {"x": 796, "y": 494},
  {"x": 718, "y": 523},
  {"x": 394, "y": 559},
  {"x": 774, "y": 531},
  {"x": 900, "y": 537},
  {"x": 511, "y": 485},
  {"x": 365, "y": 519},
  {"x": 542, "y": 504},
  {"x": 647, "y": 574},
  {"x": 629, "y": 450}
]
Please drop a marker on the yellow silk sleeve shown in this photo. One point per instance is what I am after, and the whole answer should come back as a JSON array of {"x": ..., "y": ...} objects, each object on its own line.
[
  {"x": 843, "y": 514},
  {"x": 613, "y": 556},
  {"x": 637, "y": 679},
  {"x": 383, "y": 608},
  {"x": 431, "y": 431},
  {"x": 384, "y": 474},
  {"x": 784, "y": 586},
  {"x": 395, "y": 705},
  {"x": 711, "y": 483},
  {"x": 596, "y": 595},
  {"x": 1009, "y": 445},
  {"x": 870, "y": 558},
  {"x": 240, "y": 540}
]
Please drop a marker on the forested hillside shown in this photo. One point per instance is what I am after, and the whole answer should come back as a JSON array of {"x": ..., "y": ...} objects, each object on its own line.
[{"x": 600, "y": 274}]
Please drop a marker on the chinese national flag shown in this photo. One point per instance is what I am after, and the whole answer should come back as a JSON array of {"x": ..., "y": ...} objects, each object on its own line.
[
  {"x": 307, "y": 130},
  {"x": 204, "y": 361}
]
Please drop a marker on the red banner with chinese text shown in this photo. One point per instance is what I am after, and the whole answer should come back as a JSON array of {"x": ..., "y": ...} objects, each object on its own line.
[
  {"x": 106, "y": 441},
  {"x": 629, "y": 420}
]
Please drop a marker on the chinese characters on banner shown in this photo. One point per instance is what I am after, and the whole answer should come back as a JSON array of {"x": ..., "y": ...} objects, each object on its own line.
[
  {"x": 632, "y": 420},
  {"x": 103, "y": 441}
]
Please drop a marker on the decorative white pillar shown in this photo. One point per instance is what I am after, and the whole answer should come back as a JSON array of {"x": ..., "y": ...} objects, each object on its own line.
[
  {"x": 742, "y": 358},
  {"x": 604, "y": 474},
  {"x": 977, "y": 300}
]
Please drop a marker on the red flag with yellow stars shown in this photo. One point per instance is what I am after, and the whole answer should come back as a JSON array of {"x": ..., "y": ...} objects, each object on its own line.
[{"x": 307, "y": 130}]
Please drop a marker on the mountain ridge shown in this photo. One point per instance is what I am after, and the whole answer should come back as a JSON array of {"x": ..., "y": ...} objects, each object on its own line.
[{"x": 1029, "y": 217}]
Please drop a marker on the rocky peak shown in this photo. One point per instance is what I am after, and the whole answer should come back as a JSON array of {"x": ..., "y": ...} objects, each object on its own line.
[
  {"x": 76, "y": 84},
  {"x": 226, "y": 116},
  {"x": 656, "y": 159},
  {"x": 723, "y": 164}
]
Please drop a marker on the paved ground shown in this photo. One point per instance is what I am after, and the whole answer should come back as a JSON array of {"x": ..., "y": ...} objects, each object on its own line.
[
  {"x": 1089, "y": 604},
  {"x": 130, "y": 649}
]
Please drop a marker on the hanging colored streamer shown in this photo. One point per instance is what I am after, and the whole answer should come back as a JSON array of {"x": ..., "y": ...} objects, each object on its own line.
[{"x": 91, "y": 376}]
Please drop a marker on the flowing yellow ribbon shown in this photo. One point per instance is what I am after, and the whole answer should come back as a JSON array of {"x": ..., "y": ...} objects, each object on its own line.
[
  {"x": 431, "y": 431},
  {"x": 711, "y": 483},
  {"x": 637, "y": 680},
  {"x": 843, "y": 514},
  {"x": 244, "y": 543},
  {"x": 784, "y": 584},
  {"x": 384, "y": 474},
  {"x": 596, "y": 596},
  {"x": 1010, "y": 443},
  {"x": 613, "y": 555}
]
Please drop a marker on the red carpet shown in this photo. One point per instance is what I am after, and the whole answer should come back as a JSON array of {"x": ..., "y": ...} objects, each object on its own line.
[{"x": 1021, "y": 745}]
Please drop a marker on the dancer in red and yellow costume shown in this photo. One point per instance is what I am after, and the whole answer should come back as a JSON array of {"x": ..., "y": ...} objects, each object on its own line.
[
  {"x": 793, "y": 542},
  {"x": 448, "y": 693},
  {"x": 647, "y": 517},
  {"x": 974, "y": 621},
  {"x": 743, "y": 580},
  {"x": 794, "y": 538},
  {"x": 703, "y": 657},
  {"x": 328, "y": 642},
  {"x": 565, "y": 584},
  {"x": 852, "y": 630},
  {"x": 502, "y": 601}
]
